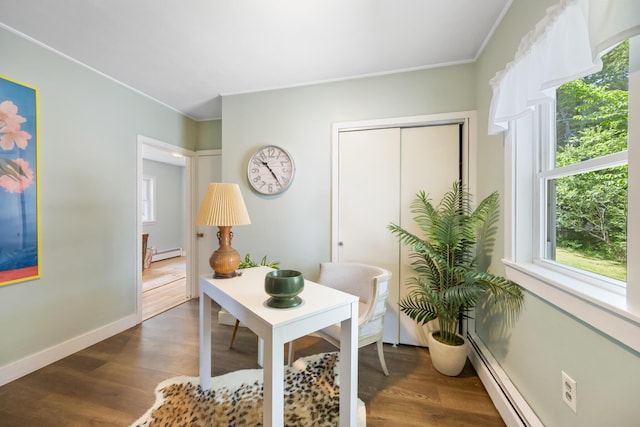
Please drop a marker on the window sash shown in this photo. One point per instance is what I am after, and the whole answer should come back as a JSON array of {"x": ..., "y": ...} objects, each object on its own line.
[
  {"x": 599, "y": 163},
  {"x": 544, "y": 143}
]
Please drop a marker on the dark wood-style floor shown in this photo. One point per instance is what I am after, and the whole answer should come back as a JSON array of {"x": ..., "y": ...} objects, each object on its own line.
[{"x": 112, "y": 383}]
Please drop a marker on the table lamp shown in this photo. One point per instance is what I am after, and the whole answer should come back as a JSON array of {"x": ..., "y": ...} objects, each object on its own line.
[{"x": 223, "y": 207}]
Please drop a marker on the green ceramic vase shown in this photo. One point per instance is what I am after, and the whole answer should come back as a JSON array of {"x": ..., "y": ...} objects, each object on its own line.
[{"x": 283, "y": 286}]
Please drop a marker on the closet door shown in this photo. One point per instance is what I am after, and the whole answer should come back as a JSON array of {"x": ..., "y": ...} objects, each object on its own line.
[
  {"x": 379, "y": 173},
  {"x": 430, "y": 159},
  {"x": 368, "y": 200}
]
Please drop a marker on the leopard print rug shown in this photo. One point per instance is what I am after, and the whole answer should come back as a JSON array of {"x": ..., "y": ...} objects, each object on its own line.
[{"x": 311, "y": 398}]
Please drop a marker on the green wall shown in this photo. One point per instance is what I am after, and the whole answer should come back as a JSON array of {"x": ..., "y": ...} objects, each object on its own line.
[
  {"x": 209, "y": 135},
  {"x": 295, "y": 227},
  {"x": 88, "y": 144},
  {"x": 546, "y": 340}
]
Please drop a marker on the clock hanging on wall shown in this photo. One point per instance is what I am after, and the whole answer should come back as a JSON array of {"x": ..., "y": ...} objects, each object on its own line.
[{"x": 270, "y": 170}]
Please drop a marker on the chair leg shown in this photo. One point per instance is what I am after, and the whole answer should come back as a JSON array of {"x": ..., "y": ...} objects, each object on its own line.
[
  {"x": 381, "y": 357},
  {"x": 233, "y": 335}
]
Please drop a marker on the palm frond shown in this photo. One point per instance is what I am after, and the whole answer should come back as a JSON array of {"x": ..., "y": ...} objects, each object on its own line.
[
  {"x": 502, "y": 291},
  {"x": 405, "y": 237},
  {"x": 418, "y": 309},
  {"x": 487, "y": 215}
]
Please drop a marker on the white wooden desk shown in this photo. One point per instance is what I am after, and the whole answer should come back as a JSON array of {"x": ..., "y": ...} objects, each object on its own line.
[{"x": 244, "y": 297}]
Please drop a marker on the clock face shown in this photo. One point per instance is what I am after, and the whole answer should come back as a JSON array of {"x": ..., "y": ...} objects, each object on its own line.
[{"x": 270, "y": 170}]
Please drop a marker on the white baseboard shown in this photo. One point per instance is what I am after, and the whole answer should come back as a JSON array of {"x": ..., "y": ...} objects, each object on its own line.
[
  {"x": 170, "y": 253},
  {"x": 35, "y": 361},
  {"x": 513, "y": 409}
]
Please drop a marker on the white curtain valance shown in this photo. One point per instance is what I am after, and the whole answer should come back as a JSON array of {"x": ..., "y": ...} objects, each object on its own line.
[{"x": 565, "y": 45}]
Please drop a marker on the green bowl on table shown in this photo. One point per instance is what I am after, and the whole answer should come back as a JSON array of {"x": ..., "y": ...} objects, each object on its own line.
[{"x": 283, "y": 286}]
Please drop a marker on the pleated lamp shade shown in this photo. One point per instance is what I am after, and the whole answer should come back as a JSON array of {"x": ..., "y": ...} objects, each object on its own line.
[{"x": 223, "y": 205}]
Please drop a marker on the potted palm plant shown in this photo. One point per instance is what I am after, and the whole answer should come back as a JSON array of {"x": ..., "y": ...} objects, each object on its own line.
[{"x": 448, "y": 281}]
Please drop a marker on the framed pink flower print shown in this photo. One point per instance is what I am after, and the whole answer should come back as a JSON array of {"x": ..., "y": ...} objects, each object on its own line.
[{"x": 19, "y": 192}]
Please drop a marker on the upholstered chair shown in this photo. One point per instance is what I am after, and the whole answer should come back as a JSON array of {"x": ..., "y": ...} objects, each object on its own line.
[{"x": 371, "y": 285}]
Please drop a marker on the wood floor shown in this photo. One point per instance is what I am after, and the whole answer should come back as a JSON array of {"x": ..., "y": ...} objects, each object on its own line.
[
  {"x": 112, "y": 383},
  {"x": 161, "y": 298}
]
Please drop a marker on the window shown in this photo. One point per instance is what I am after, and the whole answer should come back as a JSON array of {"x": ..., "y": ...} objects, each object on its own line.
[
  {"x": 573, "y": 163},
  {"x": 572, "y": 179},
  {"x": 583, "y": 172},
  {"x": 148, "y": 199}
]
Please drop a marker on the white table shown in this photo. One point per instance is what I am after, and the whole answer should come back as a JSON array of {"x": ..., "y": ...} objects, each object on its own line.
[{"x": 244, "y": 297}]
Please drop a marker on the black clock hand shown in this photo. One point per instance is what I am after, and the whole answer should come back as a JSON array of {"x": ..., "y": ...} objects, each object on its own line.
[{"x": 272, "y": 173}]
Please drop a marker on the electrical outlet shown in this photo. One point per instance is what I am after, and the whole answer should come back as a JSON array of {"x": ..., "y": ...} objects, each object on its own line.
[{"x": 570, "y": 392}]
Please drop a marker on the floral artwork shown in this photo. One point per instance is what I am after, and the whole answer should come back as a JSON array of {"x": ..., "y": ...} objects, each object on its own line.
[{"x": 19, "y": 227}]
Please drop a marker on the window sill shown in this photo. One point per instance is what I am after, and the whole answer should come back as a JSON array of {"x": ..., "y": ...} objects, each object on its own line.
[{"x": 603, "y": 310}]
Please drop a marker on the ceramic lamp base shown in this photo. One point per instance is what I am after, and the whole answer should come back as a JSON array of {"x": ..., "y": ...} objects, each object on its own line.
[{"x": 225, "y": 259}]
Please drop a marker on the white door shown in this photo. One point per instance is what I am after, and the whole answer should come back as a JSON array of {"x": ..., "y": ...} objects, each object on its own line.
[
  {"x": 430, "y": 158},
  {"x": 380, "y": 172},
  {"x": 368, "y": 200},
  {"x": 209, "y": 170}
]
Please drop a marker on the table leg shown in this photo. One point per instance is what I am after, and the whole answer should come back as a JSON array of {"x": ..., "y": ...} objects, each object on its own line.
[
  {"x": 349, "y": 369},
  {"x": 273, "y": 406},
  {"x": 260, "y": 352},
  {"x": 205, "y": 341}
]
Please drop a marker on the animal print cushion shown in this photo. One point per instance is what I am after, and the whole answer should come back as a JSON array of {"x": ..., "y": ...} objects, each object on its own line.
[{"x": 311, "y": 398}]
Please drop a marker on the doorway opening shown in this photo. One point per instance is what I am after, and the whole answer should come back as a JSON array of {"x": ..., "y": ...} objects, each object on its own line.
[{"x": 164, "y": 207}]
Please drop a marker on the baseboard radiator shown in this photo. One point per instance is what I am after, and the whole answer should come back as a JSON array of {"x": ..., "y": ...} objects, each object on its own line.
[
  {"x": 513, "y": 408},
  {"x": 166, "y": 254}
]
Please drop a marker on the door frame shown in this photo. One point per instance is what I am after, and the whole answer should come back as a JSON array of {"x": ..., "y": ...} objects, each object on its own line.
[
  {"x": 195, "y": 205},
  {"x": 469, "y": 148},
  {"x": 191, "y": 264}
]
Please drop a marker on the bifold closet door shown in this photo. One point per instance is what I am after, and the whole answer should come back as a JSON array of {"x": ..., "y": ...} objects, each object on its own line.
[
  {"x": 368, "y": 200},
  {"x": 430, "y": 159},
  {"x": 380, "y": 172}
]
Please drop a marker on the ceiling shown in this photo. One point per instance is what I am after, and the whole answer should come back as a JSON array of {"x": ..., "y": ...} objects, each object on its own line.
[{"x": 186, "y": 54}]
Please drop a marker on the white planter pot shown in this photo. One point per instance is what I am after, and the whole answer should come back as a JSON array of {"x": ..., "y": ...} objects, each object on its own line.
[{"x": 447, "y": 359}]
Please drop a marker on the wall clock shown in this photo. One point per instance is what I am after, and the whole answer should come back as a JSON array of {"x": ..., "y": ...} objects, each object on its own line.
[{"x": 270, "y": 170}]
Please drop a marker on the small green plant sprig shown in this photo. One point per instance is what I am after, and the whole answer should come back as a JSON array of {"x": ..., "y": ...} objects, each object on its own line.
[{"x": 249, "y": 262}]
